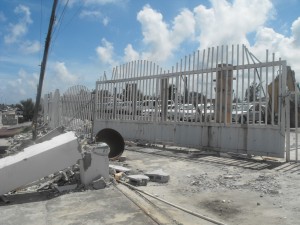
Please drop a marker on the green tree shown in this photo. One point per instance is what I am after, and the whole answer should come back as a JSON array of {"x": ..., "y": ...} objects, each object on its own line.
[
  {"x": 252, "y": 93},
  {"x": 172, "y": 92},
  {"x": 27, "y": 106}
]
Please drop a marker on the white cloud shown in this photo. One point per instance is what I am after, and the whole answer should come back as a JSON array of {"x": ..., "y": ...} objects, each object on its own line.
[
  {"x": 287, "y": 48},
  {"x": 229, "y": 23},
  {"x": 21, "y": 9},
  {"x": 63, "y": 74},
  {"x": 156, "y": 34},
  {"x": 18, "y": 30},
  {"x": 24, "y": 86},
  {"x": 106, "y": 52},
  {"x": 296, "y": 31},
  {"x": 130, "y": 54},
  {"x": 90, "y": 14},
  {"x": 105, "y": 21},
  {"x": 183, "y": 27},
  {"x": 29, "y": 47},
  {"x": 161, "y": 40}
]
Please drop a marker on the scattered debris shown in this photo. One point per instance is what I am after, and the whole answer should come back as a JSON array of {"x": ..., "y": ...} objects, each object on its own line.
[
  {"x": 4, "y": 199},
  {"x": 118, "y": 176},
  {"x": 65, "y": 188},
  {"x": 264, "y": 184}
]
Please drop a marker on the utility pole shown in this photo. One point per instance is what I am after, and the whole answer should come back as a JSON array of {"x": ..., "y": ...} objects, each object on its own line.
[{"x": 42, "y": 73}]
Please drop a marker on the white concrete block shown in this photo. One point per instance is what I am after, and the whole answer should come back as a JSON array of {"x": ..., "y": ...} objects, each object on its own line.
[
  {"x": 119, "y": 168},
  {"x": 95, "y": 163},
  {"x": 158, "y": 176},
  {"x": 38, "y": 161}
]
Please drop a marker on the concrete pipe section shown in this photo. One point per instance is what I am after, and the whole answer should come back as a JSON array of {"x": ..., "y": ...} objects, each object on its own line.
[{"x": 114, "y": 140}]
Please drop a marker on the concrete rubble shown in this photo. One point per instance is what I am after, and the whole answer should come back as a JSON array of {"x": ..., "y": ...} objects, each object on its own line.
[
  {"x": 32, "y": 163},
  {"x": 78, "y": 168},
  {"x": 266, "y": 183},
  {"x": 86, "y": 168},
  {"x": 137, "y": 177}
]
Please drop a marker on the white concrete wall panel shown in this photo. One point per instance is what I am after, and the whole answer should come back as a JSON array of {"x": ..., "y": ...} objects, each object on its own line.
[{"x": 38, "y": 161}]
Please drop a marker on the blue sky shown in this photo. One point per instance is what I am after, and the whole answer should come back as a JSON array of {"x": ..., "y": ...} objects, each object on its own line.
[{"x": 93, "y": 36}]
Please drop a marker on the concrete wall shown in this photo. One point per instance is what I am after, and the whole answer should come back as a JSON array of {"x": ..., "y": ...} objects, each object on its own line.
[{"x": 263, "y": 140}]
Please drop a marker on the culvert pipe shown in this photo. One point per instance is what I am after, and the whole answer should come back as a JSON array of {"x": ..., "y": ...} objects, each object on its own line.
[{"x": 114, "y": 140}]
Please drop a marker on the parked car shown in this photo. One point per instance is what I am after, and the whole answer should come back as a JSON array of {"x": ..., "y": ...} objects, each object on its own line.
[
  {"x": 151, "y": 111},
  {"x": 126, "y": 108},
  {"x": 252, "y": 113},
  {"x": 186, "y": 112},
  {"x": 19, "y": 112}
]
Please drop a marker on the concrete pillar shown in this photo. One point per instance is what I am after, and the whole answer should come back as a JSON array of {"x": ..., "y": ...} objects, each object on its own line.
[
  {"x": 224, "y": 95},
  {"x": 164, "y": 98}
]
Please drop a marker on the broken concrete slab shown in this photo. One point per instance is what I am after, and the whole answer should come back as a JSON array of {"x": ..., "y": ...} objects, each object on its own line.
[
  {"x": 94, "y": 163},
  {"x": 158, "y": 176},
  {"x": 53, "y": 133},
  {"x": 38, "y": 161},
  {"x": 119, "y": 168},
  {"x": 138, "y": 179}
]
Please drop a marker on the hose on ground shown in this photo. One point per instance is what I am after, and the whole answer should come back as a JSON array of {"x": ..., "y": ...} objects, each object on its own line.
[{"x": 173, "y": 205}]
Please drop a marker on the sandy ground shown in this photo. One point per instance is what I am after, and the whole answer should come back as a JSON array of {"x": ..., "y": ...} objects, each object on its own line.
[{"x": 232, "y": 191}]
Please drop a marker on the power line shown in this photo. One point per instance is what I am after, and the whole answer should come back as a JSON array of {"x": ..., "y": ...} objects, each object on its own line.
[
  {"x": 60, "y": 22},
  {"x": 60, "y": 19}
]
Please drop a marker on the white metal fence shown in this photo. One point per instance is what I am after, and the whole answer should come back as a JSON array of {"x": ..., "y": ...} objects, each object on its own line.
[
  {"x": 222, "y": 98},
  {"x": 73, "y": 110}
]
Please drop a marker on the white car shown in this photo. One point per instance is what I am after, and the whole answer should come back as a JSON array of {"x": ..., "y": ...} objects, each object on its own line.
[
  {"x": 151, "y": 112},
  {"x": 244, "y": 113},
  {"x": 186, "y": 112}
]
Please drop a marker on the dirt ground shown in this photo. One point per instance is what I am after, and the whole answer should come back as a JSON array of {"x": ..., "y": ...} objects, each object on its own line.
[{"x": 232, "y": 191}]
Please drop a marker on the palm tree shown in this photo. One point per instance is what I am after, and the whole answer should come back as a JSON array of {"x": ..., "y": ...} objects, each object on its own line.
[{"x": 27, "y": 106}]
